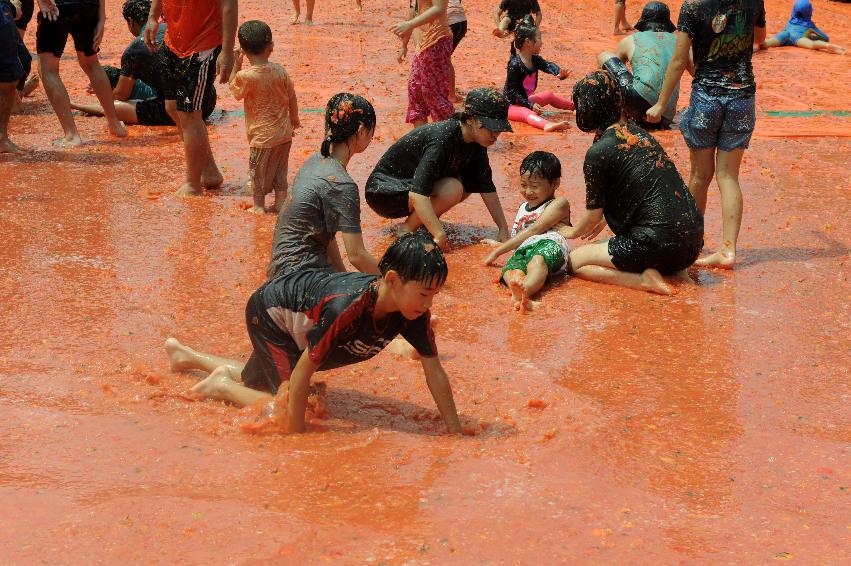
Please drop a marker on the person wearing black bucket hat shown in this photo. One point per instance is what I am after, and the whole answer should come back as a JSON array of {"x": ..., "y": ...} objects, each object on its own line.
[
  {"x": 718, "y": 124},
  {"x": 434, "y": 167},
  {"x": 649, "y": 52},
  {"x": 633, "y": 187}
]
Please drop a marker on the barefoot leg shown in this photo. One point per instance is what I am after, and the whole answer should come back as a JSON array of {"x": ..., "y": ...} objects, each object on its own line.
[
  {"x": 594, "y": 263},
  {"x": 7, "y": 98},
  {"x": 297, "y": 12},
  {"x": 727, "y": 176},
  {"x": 58, "y": 97},
  {"x": 184, "y": 358},
  {"x": 220, "y": 385},
  {"x": 536, "y": 276},
  {"x": 514, "y": 280}
]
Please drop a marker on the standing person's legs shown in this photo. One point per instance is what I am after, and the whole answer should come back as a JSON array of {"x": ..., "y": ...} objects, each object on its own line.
[
  {"x": 437, "y": 62},
  {"x": 621, "y": 25},
  {"x": 459, "y": 30},
  {"x": 296, "y": 11},
  {"x": 100, "y": 84},
  {"x": 727, "y": 177},
  {"x": 417, "y": 113},
  {"x": 54, "y": 88},
  {"x": 7, "y": 98},
  {"x": 700, "y": 175},
  {"x": 196, "y": 146},
  {"x": 447, "y": 193},
  {"x": 308, "y": 19}
]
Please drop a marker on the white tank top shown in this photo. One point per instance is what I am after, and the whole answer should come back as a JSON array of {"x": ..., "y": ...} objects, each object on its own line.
[{"x": 526, "y": 218}]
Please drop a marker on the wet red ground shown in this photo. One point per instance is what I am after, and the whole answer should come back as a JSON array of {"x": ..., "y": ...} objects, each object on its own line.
[{"x": 709, "y": 427}]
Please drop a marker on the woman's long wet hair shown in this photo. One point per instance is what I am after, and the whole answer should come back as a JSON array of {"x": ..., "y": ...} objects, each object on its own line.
[
  {"x": 344, "y": 114},
  {"x": 525, "y": 30},
  {"x": 415, "y": 257},
  {"x": 597, "y": 98}
]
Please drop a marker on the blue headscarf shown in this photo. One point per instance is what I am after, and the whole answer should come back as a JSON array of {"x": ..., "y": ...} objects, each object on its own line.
[{"x": 802, "y": 14}]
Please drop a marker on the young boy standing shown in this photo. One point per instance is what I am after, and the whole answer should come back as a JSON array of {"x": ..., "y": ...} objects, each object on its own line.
[
  {"x": 271, "y": 113},
  {"x": 540, "y": 251}
]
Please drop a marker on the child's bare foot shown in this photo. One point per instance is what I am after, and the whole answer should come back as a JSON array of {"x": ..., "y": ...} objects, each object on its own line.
[
  {"x": 117, "y": 129},
  {"x": 179, "y": 356},
  {"x": 211, "y": 387},
  {"x": 557, "y": 126},
  {"x": 73, "y": 140},
  {"x": 652, "y": 281},
  {"x": 7, "y": 146},
  {"x": 294, "y": 18},
  {"x": 211, "y": 177},
  {"x": 30, "y": 85},
  {"x": 187, "y": 190},
  {"x": 835, "y": 49},
  {"x": 257, "y": 209},
  {"x": 723, "y": 259},
  {"x": 518, "y": 294},
  {"x": 308, "y": 22}
]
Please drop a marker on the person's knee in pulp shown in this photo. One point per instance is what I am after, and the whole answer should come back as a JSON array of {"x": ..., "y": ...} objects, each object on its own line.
[
  {"x": 271, "y": 113},
  {"x": 509, "y": 13},
  {"x": 521, "y": 81},
  {"x": 540, "y": 251},
  {"x": 313, "y": 320}
]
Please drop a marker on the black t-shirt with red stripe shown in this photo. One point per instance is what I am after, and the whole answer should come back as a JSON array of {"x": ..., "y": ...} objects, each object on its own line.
[{"x": 331, "y": 314}]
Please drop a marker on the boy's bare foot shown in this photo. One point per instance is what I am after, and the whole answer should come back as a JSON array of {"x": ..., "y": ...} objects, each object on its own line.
[
  {"x": 30, "y": 85},
  {"x": 835, "y": 49},
  {"x": 308, "y": 22},
  {"x": 69, "y": 141},
  {"x": 7, "y": 146},
  {"x": 211, "y": 177},
  {"x": 179, "y": 356},
  {"x": 720, "y": 259},
  {"x": 211, "y": 387},
  {"x": 652, "y": 281},
  {"x": 294, "y": 18},
  {"x": 187, "y": 190},
  {"x": 518, "y": 294},
  {"x": 257, "y": 210},
  {"x": 117, "y": 129},
  {"x": 557, "y": 126}
]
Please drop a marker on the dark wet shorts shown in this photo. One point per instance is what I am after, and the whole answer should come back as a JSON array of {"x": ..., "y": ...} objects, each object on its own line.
[
  {"x": 11, "y": 66},
  {"x": 725, "y": 120},
  {"x": 635, "y": 105},
  {"x": 275, "y": 352},
  {"x": 27, "y": 9},
  {"x": 187, "y": 80},
  {"x": 459, "y": 30},
  {"x": 636, "y": 251},
  {"x": 388, "y": 196},
  {"x": 78, "y": 20},
  {"x": 152, "y": 112}
]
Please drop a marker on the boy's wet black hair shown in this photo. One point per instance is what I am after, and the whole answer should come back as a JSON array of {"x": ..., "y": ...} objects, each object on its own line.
[
  {"x": 136, "y": 11},
  {"x": 415, "y": 257},
  {"x": 344, "y": 114},
  {"x": 597, "y": 99},
  {"x": 525, "y": 30},
  {"x": 254, "y": 36},
  {"x": 543, "y": 164},
  {"x": 113, "y": 74}
]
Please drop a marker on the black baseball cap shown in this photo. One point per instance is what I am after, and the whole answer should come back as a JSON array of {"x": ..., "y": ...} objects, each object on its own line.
[
  {"x": 655, "y": 17},
  {"x": 490, "y": 107}
]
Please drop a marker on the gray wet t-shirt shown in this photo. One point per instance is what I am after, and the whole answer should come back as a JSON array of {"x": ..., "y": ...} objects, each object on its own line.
[{"x": 323, "y": 200}]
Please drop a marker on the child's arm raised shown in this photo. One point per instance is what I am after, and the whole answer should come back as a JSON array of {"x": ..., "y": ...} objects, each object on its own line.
[
  {"x": 553, "y": 215},
  {"x": 299, "y": 387},
  {"x": 441, "y": 391}
]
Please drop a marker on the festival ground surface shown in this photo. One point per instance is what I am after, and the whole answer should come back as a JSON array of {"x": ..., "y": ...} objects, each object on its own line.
[{"x": 613, "y": 426}]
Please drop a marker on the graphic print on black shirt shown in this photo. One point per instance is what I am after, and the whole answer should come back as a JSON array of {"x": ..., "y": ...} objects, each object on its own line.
[{"x": 722, "y": 34}]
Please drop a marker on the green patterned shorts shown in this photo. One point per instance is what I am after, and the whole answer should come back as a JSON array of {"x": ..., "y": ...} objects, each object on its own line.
[{"x": 547, "y": 249}]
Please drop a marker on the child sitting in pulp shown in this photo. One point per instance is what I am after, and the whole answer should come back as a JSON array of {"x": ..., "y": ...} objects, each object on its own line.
[
  {"x": 540, "y": 251},
  {"x": 271, "y": 113},
  {"x": 511, "y": 12}
]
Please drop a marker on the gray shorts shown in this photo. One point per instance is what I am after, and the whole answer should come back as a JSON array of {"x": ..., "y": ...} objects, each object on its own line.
[{"x": 725, "y": 121}]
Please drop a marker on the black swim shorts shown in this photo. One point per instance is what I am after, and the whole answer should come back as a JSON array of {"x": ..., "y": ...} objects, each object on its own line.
[
  {"x": 275, "y": 352},
  {"x": 79, "y": 20},
  {"x": 634, "y": 104},
  {"x": 27, "y": 9},
  {"x": 187, "y": 80},
  {"x": 388, "y": 196},
  {"x": 636, "y": 250},
  {"x": 459, "y": 30},
  {"x": 11, "y": 67},
  {"x": 152, "y": 112}
]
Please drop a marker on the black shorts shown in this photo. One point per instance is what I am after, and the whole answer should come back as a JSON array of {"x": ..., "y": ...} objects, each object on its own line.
[
  {"x": 275, "y": 352},
  {"x": 388, "y": 196},
  {"x": 187, "y": 80},
  {"x": 152, "y": 112},
  {"x": 635, "y": 106},
  {"x": 79, "y": 20},
  {"x": 634, "y": 251},
  {"x": 11, "y": 66},
  {"x": 459, "y": 30},
  {"x": 27, "y": 9}
]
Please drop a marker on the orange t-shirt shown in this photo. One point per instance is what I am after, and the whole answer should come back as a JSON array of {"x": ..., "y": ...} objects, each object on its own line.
[
  {"x": 433, "y": 31},
  {"x": 193, "y": 25},
  {"x": 269, "y": 101}
]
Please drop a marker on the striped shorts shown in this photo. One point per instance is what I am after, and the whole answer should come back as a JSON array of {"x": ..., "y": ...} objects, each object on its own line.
[{"x": 187, "y": 80}]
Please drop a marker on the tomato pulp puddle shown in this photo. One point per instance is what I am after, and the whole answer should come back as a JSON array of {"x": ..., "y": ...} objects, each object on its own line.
[{"x": 612, "y": 426}]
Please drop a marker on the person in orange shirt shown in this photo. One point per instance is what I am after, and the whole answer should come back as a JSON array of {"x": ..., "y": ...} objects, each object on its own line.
[
  {"x": 198, "y": 45},
  {"x": 271, "y": 113},
  {"x": 431, "y": 68}
]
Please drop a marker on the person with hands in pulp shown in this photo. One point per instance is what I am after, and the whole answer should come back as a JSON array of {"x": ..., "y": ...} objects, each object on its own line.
[
  {"x": 200, "y": 37},
  {"x": 433, "y": 168},
  {"x": 313, "y": 320}
]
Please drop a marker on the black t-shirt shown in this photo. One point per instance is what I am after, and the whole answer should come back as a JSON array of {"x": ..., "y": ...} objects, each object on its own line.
[
  {"x": 518, "y": 9},
  {"x": 435, "y": 151},
  {"x": 139, "y": 63},
  {"x": 629, "y": 176},
  {"x": 520, "y": 80},
  {"x": 722, "y": 34},
  {"x": 331, "y": 315}
]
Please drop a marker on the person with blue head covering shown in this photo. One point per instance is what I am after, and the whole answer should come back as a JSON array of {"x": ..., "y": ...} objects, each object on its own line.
[{"x": 801, "y": 31}]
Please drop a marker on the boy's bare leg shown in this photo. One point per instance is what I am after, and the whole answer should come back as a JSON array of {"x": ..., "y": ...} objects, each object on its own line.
[
  {"x": 514, "y": 279},
  {"x": 447, "y": 193},
  {"x": 297, "y": 10},
  {"x": 308, "y": 18},
  {"x": 501, "y": 30},
  {"x": 220, "y": 384},
  {"x": 8, "y": 92},
  {"x": 536, "y": 276},
  {"x": 100, "y": 84},
  {"x": 184, "y": 358},
  {"x": 819, "y": 45},
  {"x": 201, "y": 168},
  {"x": 727, "y": 176},
  {"x": 593, "y": 263},
  {"x": 126, "y": 111},
  {"x": 58, "y": 97},
  {"x": 259, "y": 204},
  {"x": 280, "y": 198}
]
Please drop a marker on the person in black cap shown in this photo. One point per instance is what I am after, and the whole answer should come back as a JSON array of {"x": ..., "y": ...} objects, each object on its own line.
[
  {"x": 434, "y": 167},
  {"x": 648, "y": 51},
  {"x": 633, "y": 186}
]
